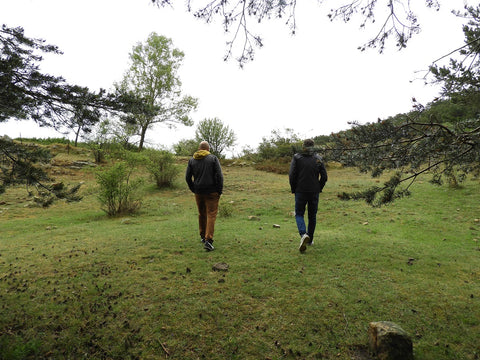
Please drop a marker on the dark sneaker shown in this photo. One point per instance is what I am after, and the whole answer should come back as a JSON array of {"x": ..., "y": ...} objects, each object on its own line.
[
  {"x": 203, "y": 240},
  {"x": 207, "y": 245},
  {"x": 303, "y": 242}
]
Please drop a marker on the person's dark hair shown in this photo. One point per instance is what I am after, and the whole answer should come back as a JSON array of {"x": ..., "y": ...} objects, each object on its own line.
[{"x": 308, "y": 143}]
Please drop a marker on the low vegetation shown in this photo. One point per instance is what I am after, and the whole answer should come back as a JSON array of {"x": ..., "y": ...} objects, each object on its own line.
[{"x": 76, "y": 283}]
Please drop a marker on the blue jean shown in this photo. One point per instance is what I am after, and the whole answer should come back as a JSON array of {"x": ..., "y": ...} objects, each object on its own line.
[{"x": 309, "y": 201}]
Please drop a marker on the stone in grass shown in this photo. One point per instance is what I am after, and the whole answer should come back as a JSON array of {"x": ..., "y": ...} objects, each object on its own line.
[
  {"x": 388, "y": 341},
  {"x": 220, "y": 267}
]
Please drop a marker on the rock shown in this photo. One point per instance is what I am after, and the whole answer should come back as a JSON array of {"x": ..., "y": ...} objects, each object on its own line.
[
  {"x": 276, "y": 226},
  {"x": 220, "y": 267},
  {"x": 83, "y": 163},
  {"x": 388, "y": 341},
  {"x": 253, "y": 217}
]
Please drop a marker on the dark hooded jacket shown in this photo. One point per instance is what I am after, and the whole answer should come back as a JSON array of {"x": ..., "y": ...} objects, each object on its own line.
[
  {"x": 307, "y": 172},
  {"x": 204, "y": 174}
]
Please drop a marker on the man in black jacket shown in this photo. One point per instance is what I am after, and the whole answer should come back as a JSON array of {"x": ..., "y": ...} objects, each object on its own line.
[
  {"x": 207, "y": 185},
  {"x": 307, "y": 178}
]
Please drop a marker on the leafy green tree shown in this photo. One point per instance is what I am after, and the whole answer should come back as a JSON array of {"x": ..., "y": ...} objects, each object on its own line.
[
  {"x": 152, "y": 78},
  {"x": 82, "y": 120},
  {"x": 217, "y": 134},
  {"x": 280, "y": 144},
  {"x": 185, "y": 147},
  {"x": 398, "y": 21},
  {"x": 454, "y": 109}
]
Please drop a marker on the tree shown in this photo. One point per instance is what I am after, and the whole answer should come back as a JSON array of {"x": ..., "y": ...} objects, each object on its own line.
[
  {"x": 462, "y": 75},
  {"x": 422, "y": 144},
  {"x": 23, "y": 165},
  {"x": 152, "y": 78},
  {"x": 27, "y": 93},
  {"x": 441, "y": 139},
  {"x": 217, "y": 134},
  {"x": 81, "y": 120},
  {"x": 399, "y": 21},
  {"x": 185, "y": 147},
  {"x": 279, "y": 145}
]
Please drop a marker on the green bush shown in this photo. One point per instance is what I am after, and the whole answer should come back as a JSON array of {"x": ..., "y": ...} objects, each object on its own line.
[
  {"x": 225, "y": 210},
  {"x": 161, "y": 165},
  {"x": 279, "y": 145},
  {"x": 118, "y": 194},
  {"x": 47, "y": 141}
]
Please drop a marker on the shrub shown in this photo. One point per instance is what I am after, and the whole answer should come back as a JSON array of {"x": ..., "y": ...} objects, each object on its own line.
[
  {"x": 118, "y": 194},
  {"x": 226, "y": 210},
  {"x": 48, "y": 141},
  {"x": 161, "y": 165}
]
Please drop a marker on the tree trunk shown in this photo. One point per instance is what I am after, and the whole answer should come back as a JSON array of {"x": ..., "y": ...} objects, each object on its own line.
[
  {"x": 142, "y": 137},
  {"x": 77, "y": 134}
]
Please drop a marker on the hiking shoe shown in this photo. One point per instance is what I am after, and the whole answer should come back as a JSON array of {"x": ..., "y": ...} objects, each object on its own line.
[
  {"x": 303, "y": 242},
  {"x": 207, "y": 245},
  {"x": 203, "y": 240}
]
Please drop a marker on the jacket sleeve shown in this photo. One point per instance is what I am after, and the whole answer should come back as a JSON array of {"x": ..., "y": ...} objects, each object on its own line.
[
  {"x": 218, "y": 177},
  {"x": 292, "y": 175},
  {"x": 188, "y": 177},
  {"x": 323, "y": 176}
]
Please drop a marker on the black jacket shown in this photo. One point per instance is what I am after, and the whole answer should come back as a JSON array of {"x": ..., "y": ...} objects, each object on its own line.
[
  {"x": 307, "y": 173},
  {"x": 204, "y": 174}
]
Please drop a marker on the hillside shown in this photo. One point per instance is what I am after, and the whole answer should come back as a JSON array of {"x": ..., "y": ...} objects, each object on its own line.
[{"x": 75, "y": 283}]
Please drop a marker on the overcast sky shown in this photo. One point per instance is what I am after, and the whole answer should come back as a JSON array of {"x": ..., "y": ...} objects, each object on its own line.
[{"x": 314, "y": 82}]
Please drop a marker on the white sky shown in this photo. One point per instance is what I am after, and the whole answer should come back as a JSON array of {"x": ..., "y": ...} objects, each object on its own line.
[{"x": 314, "y": 82}]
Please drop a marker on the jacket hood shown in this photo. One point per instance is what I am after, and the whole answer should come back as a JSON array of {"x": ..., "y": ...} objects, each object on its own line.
[
  {"x": 309, "y": 151},
  {"x": 200, "y": 154}
]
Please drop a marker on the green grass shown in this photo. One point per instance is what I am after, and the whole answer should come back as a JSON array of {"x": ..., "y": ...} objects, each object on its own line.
[{"x": 77, "y": 284}]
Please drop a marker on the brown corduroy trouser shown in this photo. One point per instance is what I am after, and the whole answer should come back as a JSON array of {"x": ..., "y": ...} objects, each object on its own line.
[{"x": 207, "y": 214}]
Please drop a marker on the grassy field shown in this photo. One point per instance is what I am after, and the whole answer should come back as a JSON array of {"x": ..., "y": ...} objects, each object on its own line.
[{"x": 75, "y": 284}]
